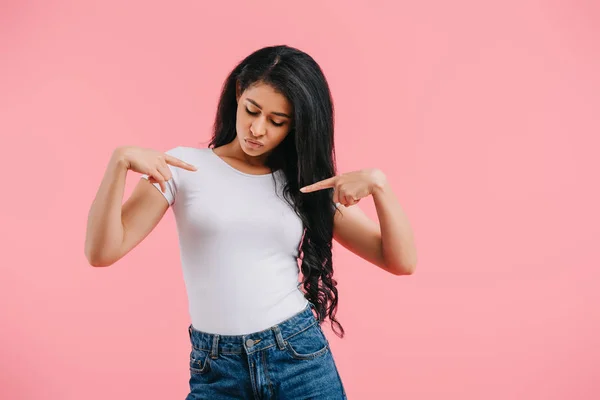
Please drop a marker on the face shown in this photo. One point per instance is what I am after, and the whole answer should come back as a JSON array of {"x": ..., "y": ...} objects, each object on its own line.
[{"x": 263, "y": 119}]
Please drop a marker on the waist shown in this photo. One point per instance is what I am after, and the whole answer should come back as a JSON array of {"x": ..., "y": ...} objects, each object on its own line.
[
  {"x": 256, "y": 341},
  {"x": 236, "y": 313}
]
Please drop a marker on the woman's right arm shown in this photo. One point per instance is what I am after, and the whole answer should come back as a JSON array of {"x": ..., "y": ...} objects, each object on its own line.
[{"x": 113, "y": 228}]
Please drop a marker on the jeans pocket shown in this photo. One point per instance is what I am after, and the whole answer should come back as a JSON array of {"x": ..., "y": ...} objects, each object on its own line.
[
  {"x": 308, "y": 344},
  {"x": 199, "y": 361}
]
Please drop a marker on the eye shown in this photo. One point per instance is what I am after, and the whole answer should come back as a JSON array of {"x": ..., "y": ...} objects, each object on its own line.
[
  {"x": 250, "y": 112},
  {"x": 256, "y": 113}
]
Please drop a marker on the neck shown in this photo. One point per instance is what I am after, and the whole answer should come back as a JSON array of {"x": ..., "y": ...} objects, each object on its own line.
[{"x": 234, "y": 150}]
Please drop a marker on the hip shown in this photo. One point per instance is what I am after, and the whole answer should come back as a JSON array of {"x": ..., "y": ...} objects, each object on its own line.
[{"x": 291, "y": 359}]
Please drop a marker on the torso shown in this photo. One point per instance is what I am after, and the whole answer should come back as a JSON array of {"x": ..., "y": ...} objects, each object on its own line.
[{"x": 239, "y": 243}]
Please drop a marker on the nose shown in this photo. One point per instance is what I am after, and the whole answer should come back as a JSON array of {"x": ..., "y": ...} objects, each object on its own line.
[{"x": 258, "y": 127}]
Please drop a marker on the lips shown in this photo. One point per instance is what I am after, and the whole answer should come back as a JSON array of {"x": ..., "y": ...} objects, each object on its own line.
[{"x": 254, "y": 142}]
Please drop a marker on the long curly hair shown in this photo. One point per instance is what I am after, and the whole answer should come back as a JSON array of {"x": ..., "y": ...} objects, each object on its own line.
[{"x": 305, "y": 156}]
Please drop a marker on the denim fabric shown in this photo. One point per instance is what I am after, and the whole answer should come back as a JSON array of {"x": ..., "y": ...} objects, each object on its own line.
[{"x": 291, "y": 360}]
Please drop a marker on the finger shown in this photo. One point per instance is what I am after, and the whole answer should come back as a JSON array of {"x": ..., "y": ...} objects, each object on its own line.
[
  {"x": 162, "y": 185},
  {"x": 324, "y": 184},
  {"x": 165, "y": 171},
  {"x": 159, "y": 179},
  {"x": 153, "y": 181},
  {"x": 345, "y": 200},
  {"x": 178, "y": 163},
  {"x": 352, "y": 201}
]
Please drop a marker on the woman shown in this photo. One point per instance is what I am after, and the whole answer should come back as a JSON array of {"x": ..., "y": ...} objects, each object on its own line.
[{"x": 263, "y": 196}]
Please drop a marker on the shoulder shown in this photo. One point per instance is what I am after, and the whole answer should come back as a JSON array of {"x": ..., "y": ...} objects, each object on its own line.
[{"x": 191, "y": 155}]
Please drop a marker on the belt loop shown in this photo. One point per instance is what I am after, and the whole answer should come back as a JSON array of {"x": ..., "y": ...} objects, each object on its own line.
[
  {"x": 190, "y": 331},
  {"x": 214, "y": 351},
  {"x": 279, "y": 338}
]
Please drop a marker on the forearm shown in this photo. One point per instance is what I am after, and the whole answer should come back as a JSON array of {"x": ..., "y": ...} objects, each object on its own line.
[
  {"x": 398, "y": 247},
  {"x": 104, "y": 226}
]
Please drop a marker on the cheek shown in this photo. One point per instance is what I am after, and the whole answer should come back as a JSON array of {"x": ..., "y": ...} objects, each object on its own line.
[
  {"x": 280, "y": 135},
  {"x": 241, "y": 121}
]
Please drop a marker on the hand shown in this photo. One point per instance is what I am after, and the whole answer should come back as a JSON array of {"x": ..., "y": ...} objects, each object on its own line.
[
  {"x": 350, "y": 187},
  {"x": 151, "y": 162}
]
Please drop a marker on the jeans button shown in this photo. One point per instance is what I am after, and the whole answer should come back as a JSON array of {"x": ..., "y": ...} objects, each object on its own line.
[{"x": 249, "y": 342}]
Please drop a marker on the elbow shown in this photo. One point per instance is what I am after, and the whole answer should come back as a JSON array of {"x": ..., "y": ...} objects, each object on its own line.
[
  {"x": 97, "y": 263},
  {"x": 97, "y": 260},
  {"x": 403, "y": 269},
  {"x": 400, "y": 264}
]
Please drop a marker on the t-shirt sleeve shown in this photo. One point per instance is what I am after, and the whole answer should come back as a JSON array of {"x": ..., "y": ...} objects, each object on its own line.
[
  {"x": 336, "y": 207},
  {"x": 175, "y": 182}
]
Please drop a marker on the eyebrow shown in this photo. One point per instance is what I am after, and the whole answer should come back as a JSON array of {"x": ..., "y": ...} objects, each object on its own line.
[{"x": 274, "y": 112}]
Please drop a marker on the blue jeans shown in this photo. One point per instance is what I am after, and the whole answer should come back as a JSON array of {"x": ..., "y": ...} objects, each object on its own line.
[{"x": 290, "y": 360}]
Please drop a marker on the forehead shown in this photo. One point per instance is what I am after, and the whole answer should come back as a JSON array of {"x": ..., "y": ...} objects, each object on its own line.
[{"x": 268, "y": 98}]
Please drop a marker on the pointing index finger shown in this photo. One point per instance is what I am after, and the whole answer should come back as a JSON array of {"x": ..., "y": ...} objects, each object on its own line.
[
  {"x": 324, "y": 184},
  {"x": 179, "y": 163}
]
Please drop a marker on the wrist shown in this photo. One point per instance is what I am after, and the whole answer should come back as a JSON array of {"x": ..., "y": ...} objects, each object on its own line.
[
  {"x": 119, "y": 157},
  {"x": 377, "y": 179}
]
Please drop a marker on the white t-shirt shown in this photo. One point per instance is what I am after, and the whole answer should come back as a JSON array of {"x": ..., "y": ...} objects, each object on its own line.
[{"x": 239, "y": 244}]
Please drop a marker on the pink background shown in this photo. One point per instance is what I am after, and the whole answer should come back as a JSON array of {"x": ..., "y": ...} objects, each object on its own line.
[{"x": 484, "y": 115}]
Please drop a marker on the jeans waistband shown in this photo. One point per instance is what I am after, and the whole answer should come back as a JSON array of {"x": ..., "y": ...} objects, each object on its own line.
[{"x": 236, "y": 344}]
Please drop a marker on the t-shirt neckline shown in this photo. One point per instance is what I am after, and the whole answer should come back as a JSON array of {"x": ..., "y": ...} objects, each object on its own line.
[{"x": 212, "y": 151}]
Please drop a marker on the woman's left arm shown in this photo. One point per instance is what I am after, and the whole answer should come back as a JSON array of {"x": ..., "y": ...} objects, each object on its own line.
[{"x": 389, "y": 244}]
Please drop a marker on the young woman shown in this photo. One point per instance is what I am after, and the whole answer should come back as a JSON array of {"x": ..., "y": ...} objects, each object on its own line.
[{"x": 263, "y": 198}]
